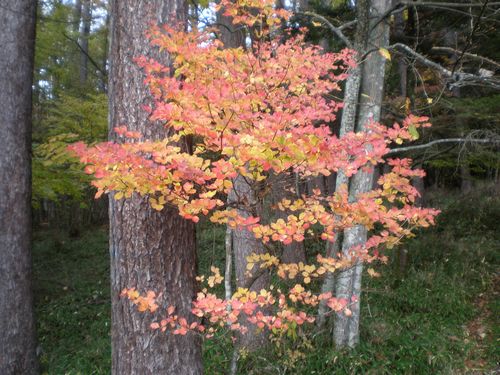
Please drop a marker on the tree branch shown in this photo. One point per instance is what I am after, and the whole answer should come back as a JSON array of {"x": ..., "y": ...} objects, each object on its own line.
[
  {"x": 455, "y": 79},
  {"x": 336, "y": 30},
  {"x": 438, "y": 141},
  {"x": 466, "y": 54},
  {"x": 443, "y": 4},
  {"x": 92, "y": 61}
]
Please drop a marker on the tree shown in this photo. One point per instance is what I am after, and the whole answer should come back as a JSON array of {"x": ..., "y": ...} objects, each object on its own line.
[
  {"x": 258, "y": 114},
  {"x": 64, "y": 110},
  {"x": 149, "y": 249},
  {"x": 17, "y": 321},
  {"x": 366, "y": 97}
]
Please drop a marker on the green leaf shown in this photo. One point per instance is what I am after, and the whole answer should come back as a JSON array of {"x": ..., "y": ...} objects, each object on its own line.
[{"x": 413, "y": 132}]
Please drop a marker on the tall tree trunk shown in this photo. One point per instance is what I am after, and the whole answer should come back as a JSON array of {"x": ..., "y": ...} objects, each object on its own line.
[
  {"x": 149, "y": 250},
  {"x": 245, "y": 244},
  {"x": 84, "y": 40},
  {"x": 17, "y": 321},
  {"x": 296, "y": 251},
  {"x": 103, "y": 81},
  {"x": 402, "y": 65},
  {"x": 77, "y": 16},
  {"x": 348, "y": 124},
  {"x": 243, "y": 241},
  {"x": 348, "y": 283}
]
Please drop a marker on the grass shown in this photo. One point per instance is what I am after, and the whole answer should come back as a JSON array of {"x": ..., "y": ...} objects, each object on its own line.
[
  {"x": 72, "y": 302},
  {"x": 438, "y": 315}
]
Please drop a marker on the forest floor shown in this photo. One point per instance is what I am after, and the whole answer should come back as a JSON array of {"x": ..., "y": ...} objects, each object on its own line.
[{"x": 436, "y": 314}]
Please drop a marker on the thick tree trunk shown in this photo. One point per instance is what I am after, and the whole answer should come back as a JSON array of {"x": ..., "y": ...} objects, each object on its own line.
[
  {"x": 348, "y": 283},
  {"x": 149, "y": 250},
  {"x": 17, "y": 322}
]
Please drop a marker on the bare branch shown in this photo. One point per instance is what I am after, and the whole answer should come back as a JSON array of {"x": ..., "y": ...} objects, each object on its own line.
[
  {"x": 444, "y": 4},
  {"x": 336, "y": 30},
  {"x": 455, "y": 79},
  {"x": 92, "y": 61},
  {"x": 466, "y": 54},
  {"x": 438, "y": 141}
]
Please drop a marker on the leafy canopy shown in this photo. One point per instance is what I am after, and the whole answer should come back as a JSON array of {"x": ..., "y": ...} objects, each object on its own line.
[{"x": 260, "y": 114}]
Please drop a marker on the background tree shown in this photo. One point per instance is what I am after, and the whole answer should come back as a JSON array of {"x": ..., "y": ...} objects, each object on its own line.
[
  {"x": 65, "y": 111},
  {"x": 150, "y": 250},
  {"x": 17, "y": 321}
]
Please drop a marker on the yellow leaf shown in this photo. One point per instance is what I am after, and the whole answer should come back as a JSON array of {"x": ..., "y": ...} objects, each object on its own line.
[
  {"x": 373, "y": 273},
  {"x": 316, "y": 24},
  {"x": 385, "y": 53}
]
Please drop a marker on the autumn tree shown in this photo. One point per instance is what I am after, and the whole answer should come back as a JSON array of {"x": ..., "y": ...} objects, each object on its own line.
[
  {"x": 17, "y": 321},
  {"x": 149, "y": 249},
  {"x": 257, "y": 115}
]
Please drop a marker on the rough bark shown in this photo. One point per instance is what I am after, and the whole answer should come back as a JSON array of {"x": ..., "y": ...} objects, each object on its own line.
[
  {"x": 245, "y": 244},
  {"x": 149, "y": 250},
  {"x": 17, "y": 321},
  {"x": 348, "y": 282}
]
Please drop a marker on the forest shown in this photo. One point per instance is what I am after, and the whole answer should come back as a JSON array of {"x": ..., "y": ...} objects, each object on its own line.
[{"x": 249, "y": 187}]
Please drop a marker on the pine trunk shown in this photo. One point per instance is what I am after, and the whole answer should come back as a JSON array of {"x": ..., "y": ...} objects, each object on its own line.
[
  {"x": 17, "y": 322},
  {"x": 149, "y": 250}
]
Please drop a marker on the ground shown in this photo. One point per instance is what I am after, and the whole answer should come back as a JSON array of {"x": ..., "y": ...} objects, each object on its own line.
[{"x": 436, "y": 314}]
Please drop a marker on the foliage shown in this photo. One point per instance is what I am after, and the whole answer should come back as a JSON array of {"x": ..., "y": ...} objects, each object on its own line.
[
  {"x": 64, "y": 110},
  {"x": 251, "y": 115},
  {"x": 56, "y": 173},
  {"x": 415, "y": 322}
]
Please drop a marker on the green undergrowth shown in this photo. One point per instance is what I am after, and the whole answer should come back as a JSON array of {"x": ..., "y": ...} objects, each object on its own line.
[
  {"x": 73, "y": 302},
  {"x": 437, "y": 314}
]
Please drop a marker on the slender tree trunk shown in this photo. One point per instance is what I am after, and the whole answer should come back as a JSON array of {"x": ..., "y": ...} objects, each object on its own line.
[
  {"x": 84, "y": 40},
  {"x": 104, "y": 61},
  {"x": 348, "y": 124},
  {"x": 77, "y": 16},
  {"x": 149, "y": 250},
  {"x": 17, "y": 321},
  {"x": 402, "y": 65},
  {"x": 294, "y": 252},
  {"x": 244, "y": 242},
  {"x": 348, "y": 283}
]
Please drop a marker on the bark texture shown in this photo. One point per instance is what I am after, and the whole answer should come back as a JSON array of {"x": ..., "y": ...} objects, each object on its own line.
[
  {"x": 17, "y": 323},
  {"x": 243, "y": 241},
  {"x": 348, "y": 282},
  {"x": 244, "y": 244},
  {"x": 149, "y": 250}
]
